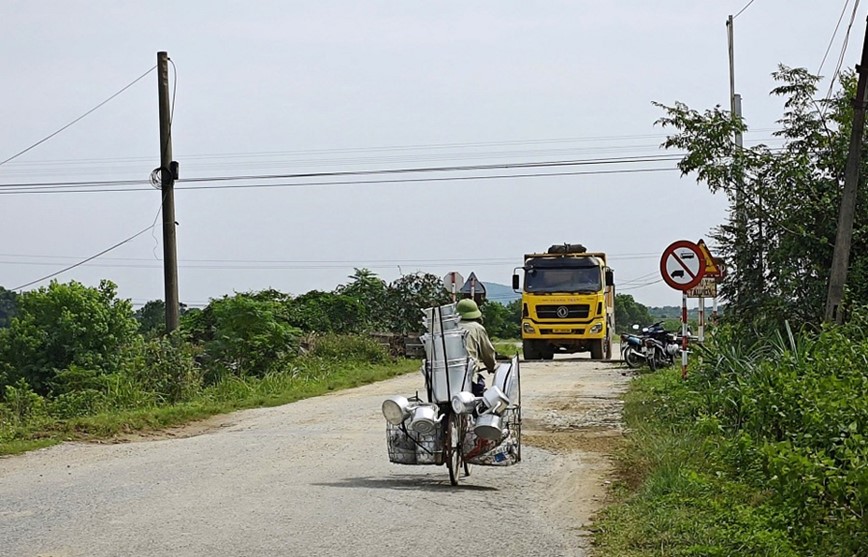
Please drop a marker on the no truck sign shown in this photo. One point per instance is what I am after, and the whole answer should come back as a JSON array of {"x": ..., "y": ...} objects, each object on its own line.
[{"x": 682, "y": 265}]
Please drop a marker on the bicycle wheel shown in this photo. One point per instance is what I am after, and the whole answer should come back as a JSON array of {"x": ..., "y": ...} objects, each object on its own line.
[
  {"x": 452, "y": 448},
  {"x": 462, "y": 432}
]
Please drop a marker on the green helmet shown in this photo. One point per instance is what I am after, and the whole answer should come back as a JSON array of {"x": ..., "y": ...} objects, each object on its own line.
[{"x": 468, "y": 309}]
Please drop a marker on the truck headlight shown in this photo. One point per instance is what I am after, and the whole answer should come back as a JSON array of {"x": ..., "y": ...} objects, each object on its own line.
[
  {"x": 596, "y": 328},
  {"x": 528, "y": 328}
]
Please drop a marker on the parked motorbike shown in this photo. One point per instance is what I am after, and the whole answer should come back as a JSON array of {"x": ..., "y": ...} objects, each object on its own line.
[
  {"x": 661, "y": 346},
  {"x": 632, "y": 349}
]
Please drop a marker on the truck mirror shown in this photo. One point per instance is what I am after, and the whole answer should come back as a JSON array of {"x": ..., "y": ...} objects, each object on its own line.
[
  {"x": 515, "y": 282},
  {"x": 610, "y": 277}
]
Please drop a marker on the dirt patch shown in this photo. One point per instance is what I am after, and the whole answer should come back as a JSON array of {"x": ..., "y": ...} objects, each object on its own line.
[
  {"x": 200, "y": 427},
  {"x": 603, "y": 442}
]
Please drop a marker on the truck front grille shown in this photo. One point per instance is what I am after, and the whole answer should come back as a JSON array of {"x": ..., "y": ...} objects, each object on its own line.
[{"x": 567, "y": 311}]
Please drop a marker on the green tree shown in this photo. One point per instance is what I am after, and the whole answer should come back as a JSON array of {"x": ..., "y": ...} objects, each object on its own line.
[
  {"x": 327, "y": 312},
  {"x": 8, "y": 306},
  {"x": 242, "y": 335},
  {"x": 629, "y": 312},
  {"x": 410, "y": 294},
  {"x": 779, "y": 239},
  {"x": 62, "y": 326},
  {"x": 152, "y": 318},
  {"x": 372, "y": 293},
  {"x": 502, "y": 321}
]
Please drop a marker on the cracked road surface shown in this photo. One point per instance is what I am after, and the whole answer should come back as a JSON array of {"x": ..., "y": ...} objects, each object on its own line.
[{"x": 313, "y": 478}]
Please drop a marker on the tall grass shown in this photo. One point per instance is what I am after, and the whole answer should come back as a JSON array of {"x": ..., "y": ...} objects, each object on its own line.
[
  {"x": 760, "y": 452},
  {"x": 164, "y": 388}
]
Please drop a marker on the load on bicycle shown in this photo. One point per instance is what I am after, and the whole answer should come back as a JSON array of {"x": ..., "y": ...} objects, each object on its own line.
[{"x": 458, "y": 421}]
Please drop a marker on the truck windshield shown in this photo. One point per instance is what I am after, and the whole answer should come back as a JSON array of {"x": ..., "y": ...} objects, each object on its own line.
[{"x": 563, "y": 280}]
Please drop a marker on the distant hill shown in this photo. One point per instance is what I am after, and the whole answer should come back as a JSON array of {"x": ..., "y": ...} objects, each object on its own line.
[
  {"x": 501, "y": 293},
  {"x": 674, "y": 312}
]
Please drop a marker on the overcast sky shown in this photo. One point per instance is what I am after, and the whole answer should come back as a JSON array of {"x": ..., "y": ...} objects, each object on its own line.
[{"x": 280, "y": 87}]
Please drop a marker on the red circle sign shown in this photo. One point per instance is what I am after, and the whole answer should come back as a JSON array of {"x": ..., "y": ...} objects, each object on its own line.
[{"x": 682, "y": 265}]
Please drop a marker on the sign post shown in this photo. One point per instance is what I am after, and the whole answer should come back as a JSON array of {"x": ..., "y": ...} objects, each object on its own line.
[
  {"x": 451, "y": 283},
  {"x": 683, "y": 266}
]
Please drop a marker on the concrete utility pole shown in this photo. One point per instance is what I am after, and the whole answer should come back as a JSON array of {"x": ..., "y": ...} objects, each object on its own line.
[
  {"x": 841, "y": 256},
  {"x": 735, "y": 110},
  {"x": 167, "y": 178}
]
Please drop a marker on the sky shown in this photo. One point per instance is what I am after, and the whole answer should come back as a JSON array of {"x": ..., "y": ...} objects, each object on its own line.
[{"x": 286, "y": 87}]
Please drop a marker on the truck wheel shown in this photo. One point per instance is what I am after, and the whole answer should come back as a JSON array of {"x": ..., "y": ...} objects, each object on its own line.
[
  {"x": 597, "y": 349},
  {"x": 528, "y": 348}
]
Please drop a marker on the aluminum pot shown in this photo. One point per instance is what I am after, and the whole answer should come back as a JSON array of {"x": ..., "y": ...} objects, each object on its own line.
[
  {"x": 396, "y": 409},
  {"x": 489, "y": 426},
  {"x": 425, "y": 419},
  {"x": 465, "y": 403},
  {"x": 495, "y": 400}
]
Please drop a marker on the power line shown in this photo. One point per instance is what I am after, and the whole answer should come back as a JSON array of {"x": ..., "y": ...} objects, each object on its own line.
[
  {"x": 387, "y": 171},
  {"x": 743, "y": 9},
  {"x": 834, "y": 34},
  {"x": 92, "y": 257},
  {"x": 351, "y": 182},
  {"x": 43, "y": 140},
  {"x": 843, "y": 52},
  {"x": 80, "y": 263}
]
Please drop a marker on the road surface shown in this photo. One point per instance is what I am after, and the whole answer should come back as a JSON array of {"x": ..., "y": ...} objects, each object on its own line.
[{"x": 313, "y": 478}]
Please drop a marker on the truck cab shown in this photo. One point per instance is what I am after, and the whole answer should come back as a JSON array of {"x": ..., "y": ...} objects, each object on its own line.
[{"x": 568, "y": 297}]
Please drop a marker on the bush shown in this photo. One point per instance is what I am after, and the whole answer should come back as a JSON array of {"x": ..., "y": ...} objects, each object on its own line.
[
  {"x": 166, "y": 367},
  {"x": 354, "y": 348},
  {"x": 65, "y": 325},
  {"x": 795, "y": 406}
]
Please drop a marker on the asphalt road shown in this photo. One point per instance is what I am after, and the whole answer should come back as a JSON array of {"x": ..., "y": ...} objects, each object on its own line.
[{"x": 313, "y": 478}]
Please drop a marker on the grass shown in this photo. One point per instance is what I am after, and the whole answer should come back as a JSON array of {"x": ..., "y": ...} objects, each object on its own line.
[
  {"x": 507, "y": 347},
  {"x": 311, "y": 378},
  {"x": 673, "y": 497}
]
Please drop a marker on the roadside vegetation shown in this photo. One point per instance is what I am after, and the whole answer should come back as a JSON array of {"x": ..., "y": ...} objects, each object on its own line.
[
  {"x": 77, "y": 362},
  {"x": 762, "y": 449}
]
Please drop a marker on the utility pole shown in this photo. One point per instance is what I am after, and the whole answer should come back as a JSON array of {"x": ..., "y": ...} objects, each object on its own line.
[
  {"x": 167, "y": 180},
  {"x": 735, "y": 110},
  {"x": 841, "y": 255}
]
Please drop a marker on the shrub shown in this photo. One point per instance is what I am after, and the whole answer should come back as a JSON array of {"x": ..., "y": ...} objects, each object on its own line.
[
  {"x": 65, "y": 325},
  {"x": 355, "y": 348}
]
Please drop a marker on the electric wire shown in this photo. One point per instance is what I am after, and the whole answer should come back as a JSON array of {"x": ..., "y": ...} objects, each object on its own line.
[
  {"x": 92, "y": 257},
  {"x": 841, "y": 56},
  {"x": 43, "y": 140},
  {"x": 743, "y": 9},
  {"x": 355, "y": 182},
  {"x": 389, "y": 171},
  {"x": 834, "y": 34}
]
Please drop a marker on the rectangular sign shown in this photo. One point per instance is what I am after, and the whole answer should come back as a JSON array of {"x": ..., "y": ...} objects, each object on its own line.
[{"x": 707, "y": 288}]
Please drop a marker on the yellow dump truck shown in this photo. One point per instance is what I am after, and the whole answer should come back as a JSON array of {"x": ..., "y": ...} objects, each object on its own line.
[{"x": 568, "y": 303}]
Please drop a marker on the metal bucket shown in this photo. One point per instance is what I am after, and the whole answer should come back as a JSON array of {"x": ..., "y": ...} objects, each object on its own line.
[
  {"x": 449, "y": 323},
  {"x": 446, "y": 311},
  {"x": 451, "y": 341},
  {"x": 460, "y": 376}
]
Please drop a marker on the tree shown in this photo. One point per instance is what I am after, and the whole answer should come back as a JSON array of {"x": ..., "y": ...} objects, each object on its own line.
[
  {"x": 326, "y": 312},
  {"x": 629, "y": 312},
  {"x": 8, "y": 306},
  {"x": 62, "y": 326},
  {"x": 372, "y": 293},
  {"x": 502, "y": 321},
  {"x": 242, "y": 335},
  {"x": 409, "y": 295},
  {"x": 152, "y": 318},
  {"x": 778, "y": 241}
]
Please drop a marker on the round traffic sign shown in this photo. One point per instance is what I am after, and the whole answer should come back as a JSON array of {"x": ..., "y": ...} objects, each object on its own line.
[
  {"x": 682, "y": 265},
  {"x": 453, "y": 281}
]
